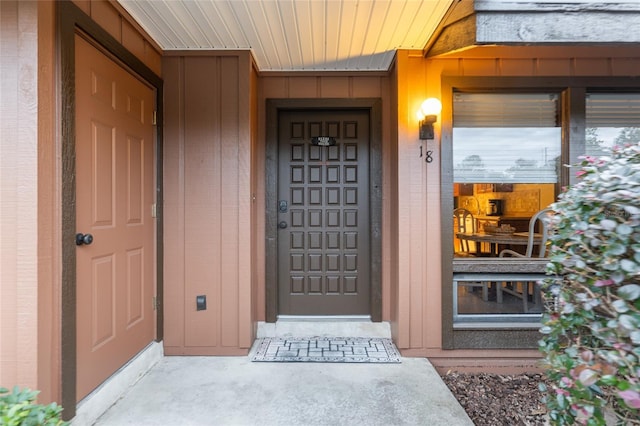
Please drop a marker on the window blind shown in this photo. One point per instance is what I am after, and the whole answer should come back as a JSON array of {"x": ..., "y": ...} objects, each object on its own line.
[
  {"x": 505, "y": 137},
  {"x": 613, "y": 110},
  {"x": 611, "y": 119},
  {"x": 505, "y": 110}
]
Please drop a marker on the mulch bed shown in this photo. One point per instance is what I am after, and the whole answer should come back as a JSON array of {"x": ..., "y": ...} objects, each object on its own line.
[{"x": 496, "y": 399}]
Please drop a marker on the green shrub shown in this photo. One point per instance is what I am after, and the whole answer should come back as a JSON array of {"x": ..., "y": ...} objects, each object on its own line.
[
  {"x": 591, "y": 331},
  {"x": 18, "y": 408}
]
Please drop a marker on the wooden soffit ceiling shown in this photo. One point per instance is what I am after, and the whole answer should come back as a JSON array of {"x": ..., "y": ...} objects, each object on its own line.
[{"x": 294, "y": 35}]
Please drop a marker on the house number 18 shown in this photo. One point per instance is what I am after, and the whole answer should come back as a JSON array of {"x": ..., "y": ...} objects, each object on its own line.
[{"x": 428, "y": 157}]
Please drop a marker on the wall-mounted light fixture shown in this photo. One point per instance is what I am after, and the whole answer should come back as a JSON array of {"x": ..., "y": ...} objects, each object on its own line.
[{"x": 428, "y": 114}]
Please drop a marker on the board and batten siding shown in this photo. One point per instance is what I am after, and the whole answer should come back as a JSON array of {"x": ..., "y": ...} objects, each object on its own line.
[
  {"x": 329, "y": 86},
  {"x": 114, "y": 19},
  {"x": 417, "y": 314},
  {"x": 31, "y": 173},
  {"x": 207, "y": 203}
]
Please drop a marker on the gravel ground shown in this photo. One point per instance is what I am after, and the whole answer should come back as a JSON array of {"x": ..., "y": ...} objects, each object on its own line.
[{"x": 495, "y": 399}]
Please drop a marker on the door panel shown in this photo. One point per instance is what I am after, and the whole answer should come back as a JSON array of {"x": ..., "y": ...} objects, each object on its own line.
[
  {"x": 114, "y": 194},
  {"x": 323, "y": 199}
]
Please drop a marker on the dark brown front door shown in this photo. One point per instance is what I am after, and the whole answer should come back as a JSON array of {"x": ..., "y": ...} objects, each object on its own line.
[{"x": 323, "y": 214}]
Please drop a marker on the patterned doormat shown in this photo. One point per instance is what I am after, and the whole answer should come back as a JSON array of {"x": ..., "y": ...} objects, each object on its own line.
[{"x": 326, "y": 349}]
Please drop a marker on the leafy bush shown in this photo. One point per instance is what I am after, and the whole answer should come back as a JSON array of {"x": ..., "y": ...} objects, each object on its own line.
[
  {"x": 18, "y": 408},
  {"x": 591, "y": 331}
]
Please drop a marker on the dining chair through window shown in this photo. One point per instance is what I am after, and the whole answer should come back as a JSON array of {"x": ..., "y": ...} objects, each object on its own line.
[
  {"x": 525, "y": 289},
  {"x": 464, "y": 222},
  {"x": 540, "y": 218}
]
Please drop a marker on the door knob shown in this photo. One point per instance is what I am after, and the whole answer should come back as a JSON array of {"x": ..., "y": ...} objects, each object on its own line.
[
  {"x": 282, "y": 224},
  {"x": 83, "y": 239}
]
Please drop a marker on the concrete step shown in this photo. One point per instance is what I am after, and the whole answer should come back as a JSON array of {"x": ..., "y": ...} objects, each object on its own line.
[{"x": 324, "y": 327}]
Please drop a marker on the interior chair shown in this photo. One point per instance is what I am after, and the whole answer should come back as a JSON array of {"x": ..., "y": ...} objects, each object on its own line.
[
  {"x": 521, "y": 289},
  {"x": 463, "y": 221},
  {"x": 538, "y": 218}
]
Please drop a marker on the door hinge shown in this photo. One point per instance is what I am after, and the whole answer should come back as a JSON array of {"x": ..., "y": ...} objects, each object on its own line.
[
  {"x": 154, "y": 210},
  {"x": 155, "y": 303},
  {"x": 154, "y": 119}
]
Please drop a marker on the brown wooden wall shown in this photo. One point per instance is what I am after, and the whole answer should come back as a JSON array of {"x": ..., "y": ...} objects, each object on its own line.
[
  {"x": 208, "y": 198},
  {"x": 19, "y": 341},
  {"x": 257, "y": 211},
  {"x": 323, "y": 86},
  {"x": 391, "y": 261},
  {"x": 418, "y": 311},
  {"x": 31, "y": 175},
  {"x": 120, "y": 25},
  {"x": 214, "y": 187},
  {"x": 49, "y": 211}
]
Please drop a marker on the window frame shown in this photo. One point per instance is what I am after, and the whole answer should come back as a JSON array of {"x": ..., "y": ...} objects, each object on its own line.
[
  {"x": 474, "y": 269},
  {"x": 572, "y": 120}
]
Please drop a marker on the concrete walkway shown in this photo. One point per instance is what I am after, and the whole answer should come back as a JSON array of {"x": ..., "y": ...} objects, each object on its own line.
[{"x": 235, "y": 391}]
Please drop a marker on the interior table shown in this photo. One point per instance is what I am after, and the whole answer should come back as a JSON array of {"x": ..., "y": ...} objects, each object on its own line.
[{"x": 496, "y": 239}]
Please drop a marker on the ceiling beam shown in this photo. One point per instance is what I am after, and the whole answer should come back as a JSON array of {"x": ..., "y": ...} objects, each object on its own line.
[{"x": 468, "y": 24}]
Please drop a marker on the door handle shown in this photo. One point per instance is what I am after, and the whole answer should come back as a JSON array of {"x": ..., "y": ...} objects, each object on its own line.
[
  {"x": 83, "y": 239},
  {"x": 282, "y": 225}
]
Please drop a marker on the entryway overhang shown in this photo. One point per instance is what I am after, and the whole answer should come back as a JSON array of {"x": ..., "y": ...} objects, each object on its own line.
[
  {"x": 292, "y": 36},
  {"x": 468, "y": 25}
]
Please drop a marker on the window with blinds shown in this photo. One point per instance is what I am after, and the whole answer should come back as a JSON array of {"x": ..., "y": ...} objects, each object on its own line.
[
  {"x": 506, "y": 137},
  {"x": 612, "y": 119}
]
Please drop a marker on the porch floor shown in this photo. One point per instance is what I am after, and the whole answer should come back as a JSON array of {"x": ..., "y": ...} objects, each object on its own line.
[{"x": 235, "y": 391}]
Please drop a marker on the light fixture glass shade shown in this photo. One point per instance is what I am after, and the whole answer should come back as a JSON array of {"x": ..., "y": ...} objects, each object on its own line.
[{"x": 431, "y": 106}]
